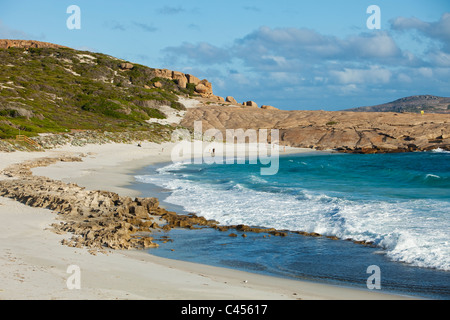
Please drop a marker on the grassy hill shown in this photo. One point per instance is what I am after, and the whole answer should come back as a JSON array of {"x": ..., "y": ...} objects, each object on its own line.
[
  {"x": 415, "y": 104},
  {"x": 61, "y": 89}
]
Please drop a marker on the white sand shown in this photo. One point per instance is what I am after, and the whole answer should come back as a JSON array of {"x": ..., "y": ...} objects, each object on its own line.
[
  {"x": 174, "y": 116},
  {"x": 33, "y": 263}
]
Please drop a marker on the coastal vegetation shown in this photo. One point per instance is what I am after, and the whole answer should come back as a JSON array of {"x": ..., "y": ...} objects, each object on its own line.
[{"x": 57, "y": 90}]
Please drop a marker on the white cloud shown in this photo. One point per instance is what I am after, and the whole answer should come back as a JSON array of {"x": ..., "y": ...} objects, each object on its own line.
[
  {"x": 289, "y": 63},
  {"x": 425, "y": 72},
  {"x": 374, "y": 75},
  {"x": 201, "y": 53},
  {"x": 439, "y": 30},
  {"x": 404, "y": 78},
  {"x": 402, "y": 23},
  {"x": 378, "y": 45}
]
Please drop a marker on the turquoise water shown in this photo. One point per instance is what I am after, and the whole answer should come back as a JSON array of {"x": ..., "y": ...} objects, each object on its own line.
[{"x": 401, "y": 202}]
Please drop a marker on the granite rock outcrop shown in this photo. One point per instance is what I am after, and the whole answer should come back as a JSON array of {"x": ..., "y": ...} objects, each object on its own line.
[
  {"x": 25, "y": 44},
  {"x": 357, "y": 132}
]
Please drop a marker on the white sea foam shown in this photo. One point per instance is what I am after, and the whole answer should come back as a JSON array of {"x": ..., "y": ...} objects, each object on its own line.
[
  {"x": 432, "y": 176},
  {"x": 440, "y": 150},
  {"x": 172, "y": 167},
  {"x": 399, "y": 227}
]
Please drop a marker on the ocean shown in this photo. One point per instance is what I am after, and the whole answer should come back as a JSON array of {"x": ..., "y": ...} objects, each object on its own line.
[{"x": 399, "y": 202}]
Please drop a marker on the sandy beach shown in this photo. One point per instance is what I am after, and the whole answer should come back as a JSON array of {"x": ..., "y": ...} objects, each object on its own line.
[{"x": 34, "y": 263}]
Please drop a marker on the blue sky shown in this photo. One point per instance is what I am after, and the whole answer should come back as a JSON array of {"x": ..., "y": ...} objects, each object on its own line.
[{"x": 289, "y": 54}]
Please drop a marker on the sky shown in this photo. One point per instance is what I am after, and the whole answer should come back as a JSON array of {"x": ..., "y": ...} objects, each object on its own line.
[{"x": 294, "y": 55}]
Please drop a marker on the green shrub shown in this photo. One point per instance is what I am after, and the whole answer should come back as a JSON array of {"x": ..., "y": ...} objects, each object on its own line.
[
  {"x": 9, "y": 113},
  {"x": 155, "y": 113},
  {"x": 177, "y": 105},
  {"x": 65, "y": 101}
]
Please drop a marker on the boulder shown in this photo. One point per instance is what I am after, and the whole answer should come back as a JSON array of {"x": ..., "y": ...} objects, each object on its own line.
[
  {"x": 147, "y": 243},
  {"x": 251, "y": 104},
  {"x": 163, "y": 73},
  {"x": 231, "y": 100},
  {"x": 204, "y": 88},
  {"x": 139, "y": 211},
  {"x": 192, "y": 79},
  {"x": 181, "y": 78},
  {"x": 268, "y": 107},
  {"x": 201, "y": 88},
  {"x": 126, "y": 66}
]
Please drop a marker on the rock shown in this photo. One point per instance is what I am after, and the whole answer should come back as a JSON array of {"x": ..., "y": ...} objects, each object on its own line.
[
  {"x": 25, "y": 44},
  {"x": 18, "y": 112},
  {"x": 126, "y": 66},
  {"x": 278, "y": 233},
  {"x": 147, "y": 243},
  {"x": 201, "y": 88},
  {"x": 204, "y": 88},
  {"x": 231, "y": 100},
  {"x": 251, "y": 104},
  {"x": 192, "y": 79},
  {"x": 181, "y": 78},
  {"x": 162, "y": 73},
  {"x": 358, "y": 132},
  {"x": 139, "y": 211},
  {"x": 157, "y": 84},
  {"x": 269, "y": 107},
  {"x": 222, "y": 228},
  {"x": 148, "y": 203}
]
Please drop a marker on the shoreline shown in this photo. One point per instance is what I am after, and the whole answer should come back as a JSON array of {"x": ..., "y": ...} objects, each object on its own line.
[{"x": 34, "y": 263}]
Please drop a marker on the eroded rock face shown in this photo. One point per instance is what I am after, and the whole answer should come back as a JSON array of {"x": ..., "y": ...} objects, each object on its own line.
[
  {"x": 25, "y": 44},
  {"x": 268, "y": 107},
  {"x": 251, "y": 104},
  {"x": 361, "y": 132},
  {"x": 231, "y": 100},
  {"x": 181, "y": 78},
  {"x": 202, "y": 87},
  {"x": 126, "y": 66},
  {"x": 192, "y": 79}
]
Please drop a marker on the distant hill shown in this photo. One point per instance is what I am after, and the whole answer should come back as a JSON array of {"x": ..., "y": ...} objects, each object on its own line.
[{"x": 415, "y": 104}]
